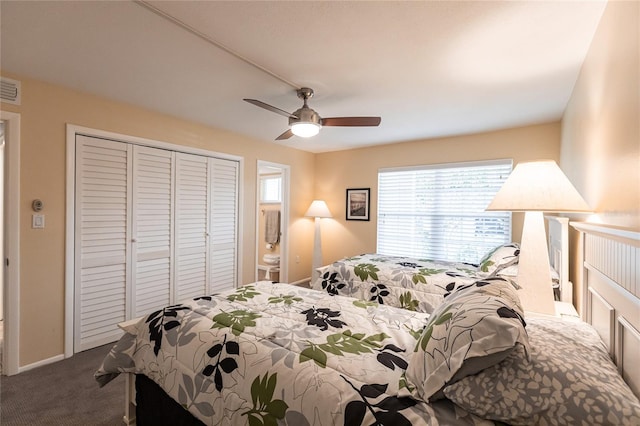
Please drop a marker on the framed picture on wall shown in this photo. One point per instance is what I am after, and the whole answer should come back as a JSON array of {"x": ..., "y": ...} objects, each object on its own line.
[{"x": 358, "y": 203}]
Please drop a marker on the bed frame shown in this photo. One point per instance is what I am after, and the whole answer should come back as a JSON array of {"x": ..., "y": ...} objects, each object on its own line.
[
  {"x": 610, "y": 277},
  {"x": 559, "y": 255}
]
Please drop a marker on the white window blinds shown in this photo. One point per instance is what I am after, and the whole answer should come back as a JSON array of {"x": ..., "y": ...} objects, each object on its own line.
[{"x": 437, "y": 211}]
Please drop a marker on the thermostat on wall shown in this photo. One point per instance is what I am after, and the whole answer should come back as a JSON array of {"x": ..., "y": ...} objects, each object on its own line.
[{"x": 37, "y": 205}]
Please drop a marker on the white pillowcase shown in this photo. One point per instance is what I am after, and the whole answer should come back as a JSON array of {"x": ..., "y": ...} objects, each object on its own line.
[
  {"x": 499, "y": 258},
  {"x": 475, "y": 327}
]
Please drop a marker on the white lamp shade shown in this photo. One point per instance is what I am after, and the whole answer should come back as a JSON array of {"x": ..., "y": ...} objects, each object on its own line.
[
  {"x": 538, "y": 186},
  {"x": 318, "y": 208},
  {"x": 305, "y": 130}
]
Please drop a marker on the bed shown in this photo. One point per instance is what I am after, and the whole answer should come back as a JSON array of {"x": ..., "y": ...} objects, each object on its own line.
[
  {"x": 404, "y": 282},
  {"x": 279, "y": 354},
  {"x": 420, "y": 284}
]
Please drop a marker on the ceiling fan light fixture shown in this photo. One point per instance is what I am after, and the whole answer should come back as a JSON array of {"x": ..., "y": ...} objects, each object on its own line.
[
  {"x": 305, "y": 130},
  {"x": 305, "y": 122}
]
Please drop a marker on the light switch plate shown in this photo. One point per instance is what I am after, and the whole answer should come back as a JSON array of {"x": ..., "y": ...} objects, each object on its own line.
[{"x": 37, "y": 221}]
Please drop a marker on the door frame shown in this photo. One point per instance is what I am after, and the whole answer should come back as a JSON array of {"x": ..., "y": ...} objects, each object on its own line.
[
  {"x": 72, "y": 130},
  {"x": 284, "y": 218},
  {"x": 11, "y": 348}
]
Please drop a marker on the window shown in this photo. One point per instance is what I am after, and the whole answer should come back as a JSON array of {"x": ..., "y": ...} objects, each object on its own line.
[
  {"x": 437, "y": 211},
  {"x": 270, "y": 189}
]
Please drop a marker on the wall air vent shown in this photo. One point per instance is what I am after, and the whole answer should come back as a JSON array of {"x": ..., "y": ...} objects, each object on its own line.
[{"x": 9, "y": 91}]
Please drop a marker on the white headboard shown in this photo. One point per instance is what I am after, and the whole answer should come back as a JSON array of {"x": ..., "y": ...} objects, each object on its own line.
[
  {"x": 559, "y": 254},
  {"x": 610, "y": 277}
]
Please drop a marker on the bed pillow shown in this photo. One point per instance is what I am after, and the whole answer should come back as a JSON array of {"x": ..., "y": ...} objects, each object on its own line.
[
  {"x": 499, "y": 258},
  {"x": 570, "y": 379},
  {"x": 475, "y": 327}
]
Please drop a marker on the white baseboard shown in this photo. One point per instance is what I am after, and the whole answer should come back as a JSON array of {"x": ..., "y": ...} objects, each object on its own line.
[{"x": 41, "y": 363}]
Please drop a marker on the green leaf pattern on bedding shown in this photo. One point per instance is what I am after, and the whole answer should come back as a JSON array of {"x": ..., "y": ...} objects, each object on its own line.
[
  {"x": 237, "y": 320},
  {"x": 364, "y": 304},
  {"x": 242, "y": 294},
  {"x": 407, "y": 302},
  {"x": 250, "y": 356},
  {"x": 287, "y": 299},
  {"x": 340, "y": 343},
  {"x": 428, "y": 331},
  {"x": 484, "y": 267},
  {"x": 266, "y": 410},
  {"x": 366, "y": 270}
]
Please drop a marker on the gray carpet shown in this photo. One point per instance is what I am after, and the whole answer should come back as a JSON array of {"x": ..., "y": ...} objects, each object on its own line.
[{"x": 63, "y": 394}]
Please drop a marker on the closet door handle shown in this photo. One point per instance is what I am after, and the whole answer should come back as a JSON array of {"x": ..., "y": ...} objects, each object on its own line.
[{"x": 134, "y": 240}]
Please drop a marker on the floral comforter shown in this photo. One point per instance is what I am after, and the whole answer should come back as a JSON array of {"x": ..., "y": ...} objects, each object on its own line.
[
  {"x": 268, "y": 354},
  {"x": 414, "y": 284}
]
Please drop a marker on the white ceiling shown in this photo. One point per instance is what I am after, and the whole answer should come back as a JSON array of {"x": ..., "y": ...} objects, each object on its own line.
[{"x": 428, "y": 68}]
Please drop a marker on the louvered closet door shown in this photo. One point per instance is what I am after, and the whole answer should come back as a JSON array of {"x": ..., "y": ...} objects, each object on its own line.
[
  {"x": 101, "y": 240},
  {"x": 142, "y": 222},
  {"x": 152, "y": 227},
  {"x": 191, "y": 214},
  {"x": 223, "y": 224}
]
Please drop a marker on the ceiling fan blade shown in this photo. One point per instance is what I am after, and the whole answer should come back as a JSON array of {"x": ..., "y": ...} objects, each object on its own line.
[
  {"x": 270, "y": 108},
  {"x": 351, "y": 121},
  {"x": 285, "y": 135}
]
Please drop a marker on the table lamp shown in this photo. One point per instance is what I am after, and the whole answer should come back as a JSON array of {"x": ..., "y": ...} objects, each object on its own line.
[
  {"x": 317, "y": 210},
  {"x": 536, "y": 187}
]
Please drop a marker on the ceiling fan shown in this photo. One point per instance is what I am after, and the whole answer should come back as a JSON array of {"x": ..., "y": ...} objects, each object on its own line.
[{"x": 305, "y": 122}]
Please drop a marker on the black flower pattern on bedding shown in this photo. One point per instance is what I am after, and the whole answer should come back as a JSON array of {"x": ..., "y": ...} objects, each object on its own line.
[
  {"x": 454, "y": 274},
  {"x": 220, "y": 364},
  {"x": 331, "y": 284},
  {"x": 505, "y": 312},
  {"x": 408, "y": 264},
  {"x": 323, "y": 318},
  {"x": 378, "y": 292},
  {"x": 457, "y": 286},
  {"x": 163, "y": 320},
  {"x": 386, "y": 411},
  {"x": 389, "y": 359}
]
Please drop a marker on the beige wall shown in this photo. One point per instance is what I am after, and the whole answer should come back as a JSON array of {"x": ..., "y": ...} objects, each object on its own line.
[
  {"x": 358, "y": 168},
  {"x": 600, "y": 149},
  {"x": 601, "y": 126},
  {"x": 45, "y": 111}
]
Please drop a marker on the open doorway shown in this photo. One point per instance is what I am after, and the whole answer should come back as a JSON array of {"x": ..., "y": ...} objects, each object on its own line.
[
  {"x": 10, "y": 165},
  {"x": 272, "y": 218},
  {"x": 2, "y": 284}
]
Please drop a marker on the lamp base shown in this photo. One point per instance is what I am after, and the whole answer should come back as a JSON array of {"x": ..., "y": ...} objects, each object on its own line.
[
  {"x": 317, "y": 252},
  {"x": 534, "y": 274}
]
